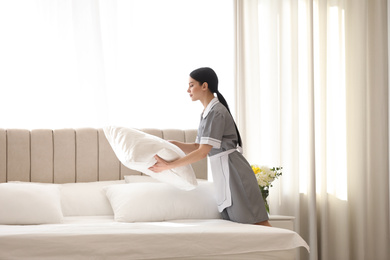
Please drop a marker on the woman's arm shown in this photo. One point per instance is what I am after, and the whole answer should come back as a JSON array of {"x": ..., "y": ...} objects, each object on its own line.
[
  {"x": 185, "y": 147},
  {"x": 194, "y": 156}
]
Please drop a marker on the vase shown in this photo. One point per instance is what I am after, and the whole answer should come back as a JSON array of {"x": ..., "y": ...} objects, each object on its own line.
[{"x": 264, "y": 194}]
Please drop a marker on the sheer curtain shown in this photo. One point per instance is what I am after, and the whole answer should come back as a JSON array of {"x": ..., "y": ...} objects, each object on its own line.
[
  {"x": 312, "y": 96},
  {"x": 91, "y": 63},
  {"x": 52, "y": 74}
]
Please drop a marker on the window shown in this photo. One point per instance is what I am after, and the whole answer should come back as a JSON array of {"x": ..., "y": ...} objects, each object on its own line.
[{"x": 89, "y": 64}]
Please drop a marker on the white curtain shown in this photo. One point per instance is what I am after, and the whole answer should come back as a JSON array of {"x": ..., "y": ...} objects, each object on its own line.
[
  {"x": 312, "y": 96},
  {"x": 90, "y": 63},
  {"x": 51, "y": 64}
]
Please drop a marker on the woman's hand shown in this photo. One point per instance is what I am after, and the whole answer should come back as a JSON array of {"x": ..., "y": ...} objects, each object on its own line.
[{"x": 160, "y": 165}]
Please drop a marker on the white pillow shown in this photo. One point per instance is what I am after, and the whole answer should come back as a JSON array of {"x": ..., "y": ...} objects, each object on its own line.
[
  {"x": 86, "y": 198},
  {"x": 136, "y": 150},
  {"x": 139, "y": 178},
  {"x": 143, "y": 202},
  {"x": 29, "y": 204}
]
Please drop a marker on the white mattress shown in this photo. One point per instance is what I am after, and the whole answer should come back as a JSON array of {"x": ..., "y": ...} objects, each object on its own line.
[{"x": 103, "y": 238}]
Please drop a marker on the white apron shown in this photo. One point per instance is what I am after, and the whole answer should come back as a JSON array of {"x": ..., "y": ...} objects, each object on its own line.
[{"x": 220, "y": 169}]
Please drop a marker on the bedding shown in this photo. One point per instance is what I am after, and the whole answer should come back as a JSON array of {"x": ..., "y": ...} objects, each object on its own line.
[
  {"x": 29, "y": 203},
  {"x": 69, "y": 197},
  {"x": 136, "y": 150},
  {"x": 104, "y": 238},
  {"x": 86, "y": 198},
  {"x": 150, "y": 201}
]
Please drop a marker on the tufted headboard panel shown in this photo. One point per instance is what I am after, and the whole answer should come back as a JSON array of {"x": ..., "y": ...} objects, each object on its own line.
[{"x": 71, "y": 155}]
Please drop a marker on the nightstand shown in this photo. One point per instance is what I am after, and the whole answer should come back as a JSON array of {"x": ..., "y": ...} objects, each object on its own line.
[{"x": 279, "y": 221}]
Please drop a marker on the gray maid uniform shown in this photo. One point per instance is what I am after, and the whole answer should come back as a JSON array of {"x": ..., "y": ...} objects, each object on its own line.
[{"x": 238, "y": 195}]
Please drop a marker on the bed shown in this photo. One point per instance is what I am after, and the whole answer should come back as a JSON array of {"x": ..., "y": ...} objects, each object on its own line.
[{"x": 65, "y": 195}]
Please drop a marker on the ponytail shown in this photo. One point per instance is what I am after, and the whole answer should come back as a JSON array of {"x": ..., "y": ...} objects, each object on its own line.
[
  {"x": 208, "y": 75},
  {"x": 222, "y": 100}
]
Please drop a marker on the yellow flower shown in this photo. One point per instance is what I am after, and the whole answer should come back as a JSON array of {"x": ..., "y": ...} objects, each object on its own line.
[{"x": 256, "y": 169}]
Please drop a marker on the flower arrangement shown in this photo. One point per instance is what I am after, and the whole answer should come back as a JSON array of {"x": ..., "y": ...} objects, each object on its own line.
[{"x": 265, "y": 176}]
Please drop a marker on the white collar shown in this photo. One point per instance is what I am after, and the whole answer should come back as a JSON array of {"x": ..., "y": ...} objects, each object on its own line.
[{"x": 210, "y": 106}]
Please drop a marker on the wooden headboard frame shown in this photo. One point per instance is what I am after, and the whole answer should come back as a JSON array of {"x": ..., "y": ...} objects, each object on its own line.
[{"x": 71, "y": 155}]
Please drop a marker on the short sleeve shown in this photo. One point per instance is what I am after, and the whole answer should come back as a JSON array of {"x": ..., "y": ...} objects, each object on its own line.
[{"x": 213, "y": 129}]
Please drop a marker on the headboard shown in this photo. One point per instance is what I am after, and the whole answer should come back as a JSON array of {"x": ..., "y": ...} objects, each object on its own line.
[{"x": 71, "y": 155}]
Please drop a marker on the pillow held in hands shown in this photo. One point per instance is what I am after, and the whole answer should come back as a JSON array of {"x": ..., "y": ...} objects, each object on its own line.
[{"x": 136, "y": 149}]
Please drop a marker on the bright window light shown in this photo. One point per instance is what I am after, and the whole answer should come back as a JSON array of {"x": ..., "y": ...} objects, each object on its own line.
[{"x": 124, "y": 62}]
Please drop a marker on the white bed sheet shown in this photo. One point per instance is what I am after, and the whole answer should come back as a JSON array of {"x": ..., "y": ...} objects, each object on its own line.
[{"x": 103, "y": 238}]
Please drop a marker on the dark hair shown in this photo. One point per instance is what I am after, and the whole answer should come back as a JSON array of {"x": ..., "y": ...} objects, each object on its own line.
[{"x": 208, "y": 75}]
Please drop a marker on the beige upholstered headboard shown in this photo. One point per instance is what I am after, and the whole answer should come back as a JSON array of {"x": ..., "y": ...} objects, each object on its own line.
[{"x": 71, "y": 155}]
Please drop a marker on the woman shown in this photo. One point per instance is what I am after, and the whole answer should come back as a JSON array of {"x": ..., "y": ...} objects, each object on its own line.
[{"x": 238, "y": 195}]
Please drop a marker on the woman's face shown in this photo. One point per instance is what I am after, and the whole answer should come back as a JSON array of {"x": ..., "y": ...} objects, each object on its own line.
[{"x": 194, "y": 89}]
